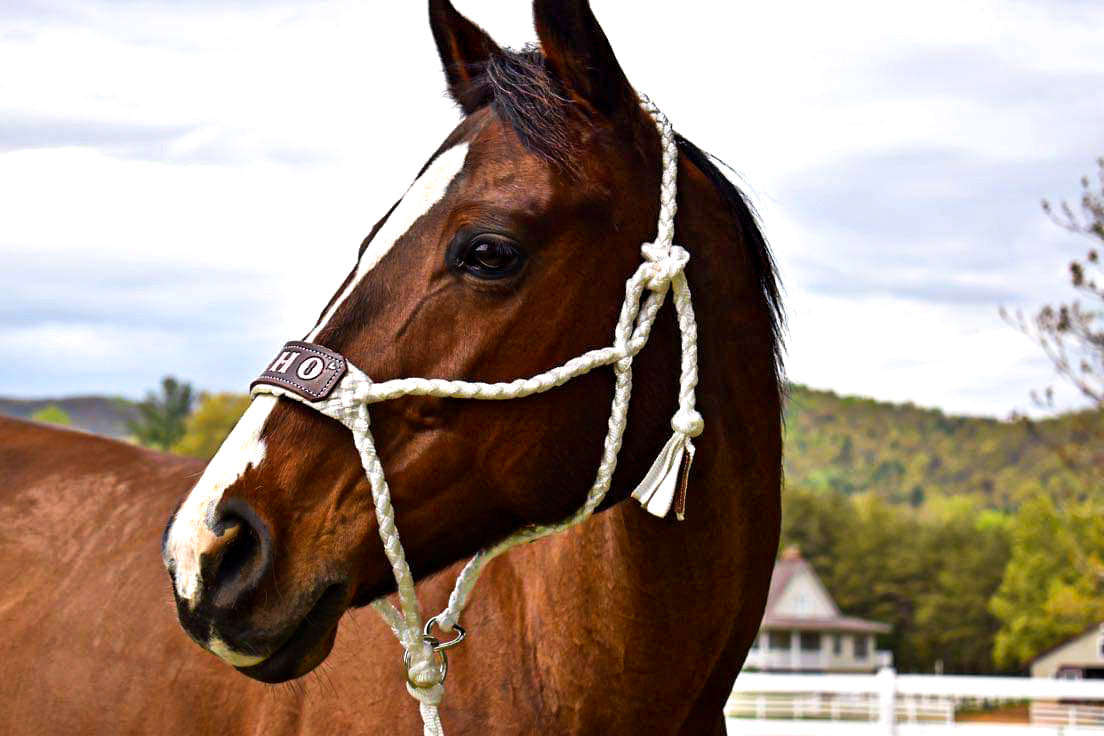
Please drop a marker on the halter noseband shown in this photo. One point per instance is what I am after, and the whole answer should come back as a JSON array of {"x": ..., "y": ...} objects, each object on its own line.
[{"x": 326, "y": 381}]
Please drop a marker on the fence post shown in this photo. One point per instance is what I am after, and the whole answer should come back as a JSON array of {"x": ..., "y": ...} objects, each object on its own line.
[{"x": 887, "y": 701}]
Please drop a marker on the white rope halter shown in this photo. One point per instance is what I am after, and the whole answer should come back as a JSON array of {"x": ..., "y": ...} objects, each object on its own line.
[{"x": 662, "y": 269}]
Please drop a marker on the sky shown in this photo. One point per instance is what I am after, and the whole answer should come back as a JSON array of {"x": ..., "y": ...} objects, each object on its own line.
[{"x": 167, "y": 165}]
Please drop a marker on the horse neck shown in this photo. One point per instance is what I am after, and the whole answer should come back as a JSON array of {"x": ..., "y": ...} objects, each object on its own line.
[{"x": 665, "y": 610}]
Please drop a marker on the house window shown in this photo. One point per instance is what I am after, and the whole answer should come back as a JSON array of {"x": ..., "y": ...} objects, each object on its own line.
[
  {"x": 862, "y": 645},
  {"x": 837, "y": 644},
  {"x": 810, "y": 641},
  {"x": 801, "y": 605},
  {"x": 1069, "y": 673},
  {"x": 779, "y": 641}
]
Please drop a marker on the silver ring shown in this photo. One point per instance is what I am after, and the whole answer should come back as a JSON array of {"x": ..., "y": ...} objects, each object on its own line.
[{"x": 441, "y": 645}]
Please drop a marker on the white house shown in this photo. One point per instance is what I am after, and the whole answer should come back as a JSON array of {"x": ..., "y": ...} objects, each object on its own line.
[
  {"x": 803, "y": 629},
  {"x": 1078, "y": 658}
]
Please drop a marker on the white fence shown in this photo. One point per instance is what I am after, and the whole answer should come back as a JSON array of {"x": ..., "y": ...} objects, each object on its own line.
[{"x": 909, "y": 705}]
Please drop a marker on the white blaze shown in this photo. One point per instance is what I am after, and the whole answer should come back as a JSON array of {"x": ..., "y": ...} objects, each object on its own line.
[
  {"x": 425, "y": 192},
  {"x": 191, "y": 534}
]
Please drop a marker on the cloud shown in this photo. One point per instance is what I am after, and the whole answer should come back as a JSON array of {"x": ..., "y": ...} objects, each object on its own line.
[
  {"x": 164, "y": 165},
  {"x": 126, "y": 294},
  {"x": 978, "y": 74},
  {"x": 937, "y": 225},
  {"x": 97, "y": 324},
  {"x": 203, "y": 144},
  {"x": 115, "y": 137},
  {"x": 72, "y": 357}
]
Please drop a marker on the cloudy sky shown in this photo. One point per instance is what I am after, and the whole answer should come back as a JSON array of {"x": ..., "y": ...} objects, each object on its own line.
[{"x": 164, "y": 164}]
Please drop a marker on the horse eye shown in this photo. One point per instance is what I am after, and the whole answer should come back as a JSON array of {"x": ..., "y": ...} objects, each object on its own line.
[{"x": 491, "y": 257}]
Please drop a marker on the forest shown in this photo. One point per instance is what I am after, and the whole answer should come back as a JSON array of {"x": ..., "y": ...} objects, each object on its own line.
[{"x": 978, "y": 540}]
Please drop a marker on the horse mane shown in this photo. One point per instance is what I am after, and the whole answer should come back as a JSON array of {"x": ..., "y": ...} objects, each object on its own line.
[
  {"x": 526, "y": 95},
  {"x": 762, "y": 261}
]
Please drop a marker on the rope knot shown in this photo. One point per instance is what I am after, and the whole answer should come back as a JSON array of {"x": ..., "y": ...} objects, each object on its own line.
[
  {"x": 688, "y": 422},
  {"x": 425, "y": 673},
  {"x": 666, "y": 263}
]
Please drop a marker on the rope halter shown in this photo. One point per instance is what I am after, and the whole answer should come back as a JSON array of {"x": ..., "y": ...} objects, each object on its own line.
[{"x": 324, "y": 380}]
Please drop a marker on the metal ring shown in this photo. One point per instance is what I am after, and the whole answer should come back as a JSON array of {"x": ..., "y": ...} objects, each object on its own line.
[{"x": 442, "y": 645}]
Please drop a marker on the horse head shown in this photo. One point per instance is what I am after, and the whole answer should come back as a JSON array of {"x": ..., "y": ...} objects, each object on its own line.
[{"x": 507, "y": 255}]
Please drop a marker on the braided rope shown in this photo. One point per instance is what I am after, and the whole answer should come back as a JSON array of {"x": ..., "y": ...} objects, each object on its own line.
[{"x": 645, "y": 291}]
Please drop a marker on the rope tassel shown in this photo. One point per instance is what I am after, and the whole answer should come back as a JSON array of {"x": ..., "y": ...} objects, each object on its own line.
[
  {"x": 665, "y": 483},
  {"x": 667, "y": 478}
]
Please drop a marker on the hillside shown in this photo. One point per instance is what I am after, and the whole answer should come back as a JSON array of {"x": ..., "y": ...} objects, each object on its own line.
[
  {"x": 99, "y": 414},
  {"x": 909, "y": 455}
]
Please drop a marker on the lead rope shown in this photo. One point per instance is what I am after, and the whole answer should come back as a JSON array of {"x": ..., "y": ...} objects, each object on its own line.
[{"x": 423, "y": 653}]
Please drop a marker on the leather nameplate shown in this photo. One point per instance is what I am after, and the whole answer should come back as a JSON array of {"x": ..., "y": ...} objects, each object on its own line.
[{"x": 306, "y": 369}]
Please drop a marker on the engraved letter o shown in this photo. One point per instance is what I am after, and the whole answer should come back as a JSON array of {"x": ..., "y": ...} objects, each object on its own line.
[{"x": 310, "y": 368}]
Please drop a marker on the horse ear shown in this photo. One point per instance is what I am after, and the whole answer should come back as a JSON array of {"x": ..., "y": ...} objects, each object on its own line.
[
  {"x": 579, "y": 53},
  {"x": 464, "y": 48}
]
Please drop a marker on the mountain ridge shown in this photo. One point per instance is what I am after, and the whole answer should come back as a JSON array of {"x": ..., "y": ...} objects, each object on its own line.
[
  {"x": 907, "y": 454},
  {"x": 900, "y": 452}
]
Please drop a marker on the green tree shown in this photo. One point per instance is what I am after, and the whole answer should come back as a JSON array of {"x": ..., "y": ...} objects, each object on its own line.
[
  {"x": 1053, "y": 586},
  {"x": 208, "y": 425},
  {"x": 52, "y": 414},
  {"x": 881, "y": 573},
  {"x": 161, "y": 416},
  {"x": 966, "y": 554},
  {"x": 929, "y": 574}
]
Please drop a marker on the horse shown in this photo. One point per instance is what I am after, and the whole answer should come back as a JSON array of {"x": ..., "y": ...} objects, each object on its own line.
[{"x": 509, "y": 254}]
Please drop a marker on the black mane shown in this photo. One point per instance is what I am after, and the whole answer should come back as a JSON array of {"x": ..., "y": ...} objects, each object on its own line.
[
  {"x": 762, "y": 262},
  {"x": 525, "y": 94}
]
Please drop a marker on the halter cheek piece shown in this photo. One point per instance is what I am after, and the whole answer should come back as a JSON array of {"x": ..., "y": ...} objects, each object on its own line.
[{"x": 324, "y": 380}]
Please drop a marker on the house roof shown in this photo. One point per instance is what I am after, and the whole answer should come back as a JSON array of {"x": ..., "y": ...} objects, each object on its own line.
[
  {"x": 846, "y": 624},
  {"x": 1068, "y": 640},
  {"x": 789, "y": 567}
]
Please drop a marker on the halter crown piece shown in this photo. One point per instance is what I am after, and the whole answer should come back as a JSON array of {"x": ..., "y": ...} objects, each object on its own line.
[{"x": 325, "y": 381}]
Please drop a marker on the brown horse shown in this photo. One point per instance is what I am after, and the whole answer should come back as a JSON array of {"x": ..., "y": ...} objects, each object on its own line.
[
  {"x": 88, "y": 641},
  {"x": 508, "y": 255}
]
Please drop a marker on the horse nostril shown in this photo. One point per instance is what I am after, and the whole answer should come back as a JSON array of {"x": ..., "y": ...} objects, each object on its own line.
[
  {"x": 238, "y": 552},
  {"x": 235, "y": 564}
]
